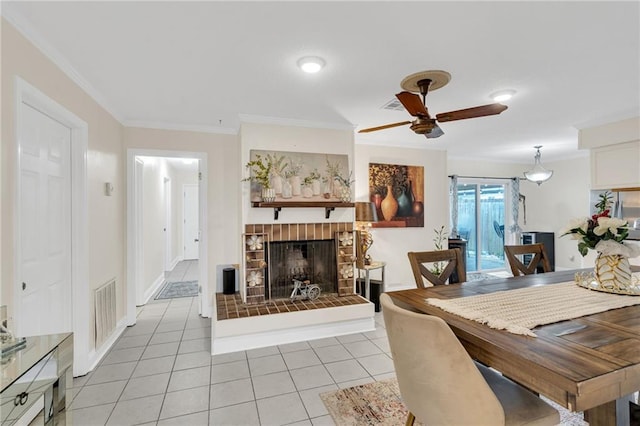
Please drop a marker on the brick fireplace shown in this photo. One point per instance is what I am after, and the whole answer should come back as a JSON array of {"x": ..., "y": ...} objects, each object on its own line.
[{"x": 339, "y": 235}]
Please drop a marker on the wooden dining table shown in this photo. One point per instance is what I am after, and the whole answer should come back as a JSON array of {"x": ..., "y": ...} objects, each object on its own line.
[{"x": 589, "y": 364}]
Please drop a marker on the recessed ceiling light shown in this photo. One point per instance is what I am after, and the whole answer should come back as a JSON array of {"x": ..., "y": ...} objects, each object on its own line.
[
  {"x": 311, "y": 64},
  {"x": 503, "y": 95}
]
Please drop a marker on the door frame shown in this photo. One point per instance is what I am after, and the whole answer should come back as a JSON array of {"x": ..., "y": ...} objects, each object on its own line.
[
  {"x": 168, "y": 252},
  {"x": 133, "y": 230},
  {"x": 184, "y": 234},
  {"x": 28, "y": 94}
]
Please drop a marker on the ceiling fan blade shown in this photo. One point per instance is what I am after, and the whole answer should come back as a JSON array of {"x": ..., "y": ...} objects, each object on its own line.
[
  {"x": 386, "y": 126},
  {"x": 479, "y": 111},
  {"x": 413, "y": 104},
  {"x": 436, "y": 132}
]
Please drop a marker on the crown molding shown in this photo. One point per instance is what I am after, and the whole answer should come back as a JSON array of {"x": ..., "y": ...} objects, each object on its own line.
[
  {"x": 181, "y": 127},
  {"x": 259, "y": 119},
  {"x": 58, "y": 59}
]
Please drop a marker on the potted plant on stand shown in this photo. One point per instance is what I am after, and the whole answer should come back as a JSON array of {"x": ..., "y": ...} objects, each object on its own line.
[{"x": 260, "y": 170}]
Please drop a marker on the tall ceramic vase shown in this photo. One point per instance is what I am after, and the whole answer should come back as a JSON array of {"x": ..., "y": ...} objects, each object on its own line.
[
  {"x": 613, "y": 271},
  {"x": 389, "y": 205},
  {"x": 405, "y": 204}
]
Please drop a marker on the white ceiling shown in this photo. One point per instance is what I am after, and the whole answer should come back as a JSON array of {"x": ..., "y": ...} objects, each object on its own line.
[{"x": 207, "y": 65}]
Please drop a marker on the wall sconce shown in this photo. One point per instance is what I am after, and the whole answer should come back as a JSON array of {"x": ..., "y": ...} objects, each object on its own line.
[
  {"x": 538, "y": 174},
  {"x": 365, "y": 214}
]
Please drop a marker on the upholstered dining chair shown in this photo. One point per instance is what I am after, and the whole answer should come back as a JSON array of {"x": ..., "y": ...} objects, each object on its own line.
[
  {"x": 435, "y": 373},
  {"x": 451, "y": 261},
  {"x": 538, "y": 256}
]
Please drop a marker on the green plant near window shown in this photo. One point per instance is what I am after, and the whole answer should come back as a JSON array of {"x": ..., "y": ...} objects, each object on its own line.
[
  {"x": 438, "y": 242},
  {"x": 260, "y": 170}
]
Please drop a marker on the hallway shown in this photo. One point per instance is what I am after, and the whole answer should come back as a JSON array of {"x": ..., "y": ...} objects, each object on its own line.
[{"x": 186, "y": 270}]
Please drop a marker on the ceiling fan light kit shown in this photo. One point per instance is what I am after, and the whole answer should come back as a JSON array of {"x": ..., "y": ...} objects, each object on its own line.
[
  {"x": 423, "y": 82},
  {"x": 311, "y": 64},
  {"x": 538, "y": 174},
  {"x": 503, "y": 95}
]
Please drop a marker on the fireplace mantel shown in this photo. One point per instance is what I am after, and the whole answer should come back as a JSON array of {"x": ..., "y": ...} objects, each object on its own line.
[{"x": 328, "y": 206}]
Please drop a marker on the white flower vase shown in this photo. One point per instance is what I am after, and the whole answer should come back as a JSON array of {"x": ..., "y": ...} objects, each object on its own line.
[
  {"x": 337, "y": 188},
  {"x": 276, "y": 184},
  {"x": 286, "y": 189},
  {"x": 613, "y": 272},
  {"x": 307, "y": 192},
  {"x": 268, "y": 195},
  {"x": 296, "y": 188},
  {"x": 315, "y": 187}
]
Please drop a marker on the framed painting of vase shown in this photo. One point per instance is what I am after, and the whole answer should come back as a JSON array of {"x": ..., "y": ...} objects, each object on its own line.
[{"x": 398, "y": 194}]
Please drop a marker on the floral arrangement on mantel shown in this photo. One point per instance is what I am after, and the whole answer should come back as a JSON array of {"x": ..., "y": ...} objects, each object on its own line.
[{"x": 606, "y": 235}]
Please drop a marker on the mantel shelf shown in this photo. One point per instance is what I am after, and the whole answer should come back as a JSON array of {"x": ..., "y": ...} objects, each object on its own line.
[{"x": 277, "y": 206}]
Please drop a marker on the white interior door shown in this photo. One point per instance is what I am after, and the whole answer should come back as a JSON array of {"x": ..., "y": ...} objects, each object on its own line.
[
  {"x": 190, "y": 222},
  {"x": 43, "y": 282}
]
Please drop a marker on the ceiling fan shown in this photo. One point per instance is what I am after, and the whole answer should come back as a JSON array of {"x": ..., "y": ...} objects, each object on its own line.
[{"x": 424, "y": 124}]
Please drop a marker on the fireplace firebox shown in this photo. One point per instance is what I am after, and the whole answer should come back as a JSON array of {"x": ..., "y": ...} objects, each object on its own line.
[{"x": 312, "y": 260}]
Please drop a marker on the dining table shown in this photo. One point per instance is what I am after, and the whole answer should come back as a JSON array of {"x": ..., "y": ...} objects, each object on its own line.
[{"x": 589, "y": 364}]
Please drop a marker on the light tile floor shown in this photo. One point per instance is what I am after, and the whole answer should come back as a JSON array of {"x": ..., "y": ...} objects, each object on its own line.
[{"x": 161, "y": 372}]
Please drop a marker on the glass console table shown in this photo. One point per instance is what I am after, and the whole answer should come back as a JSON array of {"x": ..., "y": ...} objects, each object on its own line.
[{"x": 39, "y": 370}]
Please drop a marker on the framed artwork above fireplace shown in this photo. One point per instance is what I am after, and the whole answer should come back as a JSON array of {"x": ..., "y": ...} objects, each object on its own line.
[{"x": 300, "y": 177}]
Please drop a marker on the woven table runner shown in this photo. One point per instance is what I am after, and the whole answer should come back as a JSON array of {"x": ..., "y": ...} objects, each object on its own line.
[{"x": 519, "y": 311}]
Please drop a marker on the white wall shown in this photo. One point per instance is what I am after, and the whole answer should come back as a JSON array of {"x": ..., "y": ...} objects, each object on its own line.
[
  {"x": 105, "y": 163},
  {"x": 392, "y": 244},
  {"x": 551, "y": 205},
  {"x": 293, "y": 139},
  {"x": 223, "y": 165}
]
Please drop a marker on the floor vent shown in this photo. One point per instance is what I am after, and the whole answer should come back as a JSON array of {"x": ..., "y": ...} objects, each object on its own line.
[{"x": 105, "y": 304}]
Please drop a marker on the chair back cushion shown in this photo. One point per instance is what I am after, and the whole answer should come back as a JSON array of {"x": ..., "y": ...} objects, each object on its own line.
[{"x": 438, "y": 381}]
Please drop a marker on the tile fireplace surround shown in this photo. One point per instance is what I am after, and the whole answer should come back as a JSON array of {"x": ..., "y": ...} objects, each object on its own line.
[
  {"x": 240, "y": 326},
  {"x": 301, "y": 232}
]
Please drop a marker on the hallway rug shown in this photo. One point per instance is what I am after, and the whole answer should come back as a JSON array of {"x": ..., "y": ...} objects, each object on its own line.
[
  {"x": 178, "y": 289},
  {"x": 379, "y": 403}
]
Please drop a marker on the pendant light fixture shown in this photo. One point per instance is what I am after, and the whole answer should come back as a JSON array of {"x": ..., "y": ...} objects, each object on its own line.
[{"x": 538, "y": 174}]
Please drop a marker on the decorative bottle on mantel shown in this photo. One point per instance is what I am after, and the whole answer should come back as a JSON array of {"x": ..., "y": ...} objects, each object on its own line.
[{"x": 389, "y": 205}]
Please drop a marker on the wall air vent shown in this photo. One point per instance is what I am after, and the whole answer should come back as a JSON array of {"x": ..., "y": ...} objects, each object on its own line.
[{"x": 393, "y": 105}]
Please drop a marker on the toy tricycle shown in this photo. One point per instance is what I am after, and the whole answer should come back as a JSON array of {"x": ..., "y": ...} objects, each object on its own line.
[{"x": 303, "y": 290}]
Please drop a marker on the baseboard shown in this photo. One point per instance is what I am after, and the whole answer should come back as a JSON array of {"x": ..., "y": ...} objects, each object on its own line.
[
  {"x": 175, "y": 262},
  {"x": 96, "y": 355},
  {"x": 240, "y": 334},
  {"x": 148, "y": 293}
]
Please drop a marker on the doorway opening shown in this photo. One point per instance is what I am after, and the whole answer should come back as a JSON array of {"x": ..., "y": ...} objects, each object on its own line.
[{"x": 156, "y": 216}]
